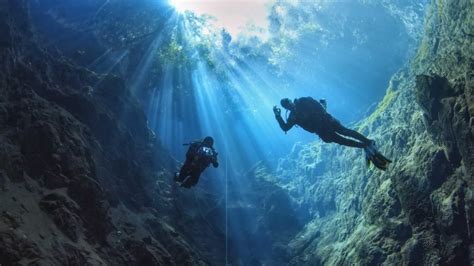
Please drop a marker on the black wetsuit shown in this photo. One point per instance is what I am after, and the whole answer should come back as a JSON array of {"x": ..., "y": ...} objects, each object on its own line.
[
  {"x": 198, "y": 158},
  {"x": 312, "y": 117}
]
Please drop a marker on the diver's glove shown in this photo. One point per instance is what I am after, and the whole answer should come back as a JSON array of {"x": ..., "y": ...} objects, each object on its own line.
[{"x": 276, "y": 111}]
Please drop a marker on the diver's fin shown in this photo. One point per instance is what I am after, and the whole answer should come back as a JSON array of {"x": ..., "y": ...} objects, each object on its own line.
[
  {"x": 379, "y": 161},
  {"x": 383, "y": 158},
  {"x": 376, "y": 158}
]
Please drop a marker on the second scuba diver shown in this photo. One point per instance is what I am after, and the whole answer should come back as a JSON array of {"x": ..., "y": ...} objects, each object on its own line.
[
  {"x": 199, "y": 156},
  {"x": 311, "y": 115}
]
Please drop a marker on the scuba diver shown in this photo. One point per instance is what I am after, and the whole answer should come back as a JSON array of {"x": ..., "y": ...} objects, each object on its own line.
[
  {"x": 199, "y": 156},
  {"x": 311, "y": 115}
]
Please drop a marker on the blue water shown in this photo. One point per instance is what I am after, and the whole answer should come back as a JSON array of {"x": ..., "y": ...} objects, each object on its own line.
[
  {"x": 228, "y": 90},
  {"x": 194, "y": 80}
]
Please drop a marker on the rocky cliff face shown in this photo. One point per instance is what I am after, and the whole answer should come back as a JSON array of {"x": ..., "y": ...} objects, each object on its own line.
[
  {"x": 420, "y": 211},
  {"x": 79, "y": 166},
  {"x": 83, "y": 180}
]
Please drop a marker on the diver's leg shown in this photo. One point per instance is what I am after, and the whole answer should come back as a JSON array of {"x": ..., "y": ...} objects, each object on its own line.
[
  {"x": 346, "y": 142},
  {"x": 184, "y": 172},
  {"x": 192, "y": 180},
  {"x": 353, "y": 134}
]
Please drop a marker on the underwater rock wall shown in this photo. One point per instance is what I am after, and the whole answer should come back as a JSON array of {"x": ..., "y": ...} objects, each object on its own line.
[
  {"x": 79, "y": 166},
  {"x": 83, "y": 180},
  {"x": 420, "y": 211}
]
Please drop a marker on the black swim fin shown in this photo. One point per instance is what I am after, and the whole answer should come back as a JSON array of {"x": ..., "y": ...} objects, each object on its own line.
[
  {"x": 380, "y": 161},
  {"x": 372, "y": 155}
]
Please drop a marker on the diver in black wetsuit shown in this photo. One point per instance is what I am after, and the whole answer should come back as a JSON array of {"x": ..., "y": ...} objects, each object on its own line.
[
  {"x": 311, "y": 115},
  {"x": 199, "y": 156}
]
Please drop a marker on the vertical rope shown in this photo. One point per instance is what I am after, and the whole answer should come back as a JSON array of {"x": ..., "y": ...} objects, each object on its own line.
[{"x": 226, "y": 262}]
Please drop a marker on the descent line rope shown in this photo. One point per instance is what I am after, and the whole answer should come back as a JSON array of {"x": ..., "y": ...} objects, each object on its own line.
[{"x": 226, "y": 262}]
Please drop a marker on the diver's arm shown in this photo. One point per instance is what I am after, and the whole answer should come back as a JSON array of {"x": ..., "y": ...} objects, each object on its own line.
[
  {"x": 214, "y": 162},
  {"x": 285, "y": 126}
]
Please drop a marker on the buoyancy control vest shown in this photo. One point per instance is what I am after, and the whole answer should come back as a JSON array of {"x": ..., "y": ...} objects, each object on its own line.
[{"x": 310, "y": 114}]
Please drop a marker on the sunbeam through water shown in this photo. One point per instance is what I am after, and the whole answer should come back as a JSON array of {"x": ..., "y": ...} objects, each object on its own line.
[{"x": 230, "y": 132}]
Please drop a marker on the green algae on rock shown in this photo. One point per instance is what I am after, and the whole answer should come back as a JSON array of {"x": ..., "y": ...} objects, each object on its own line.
[{"x": 420, "y": 211}]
